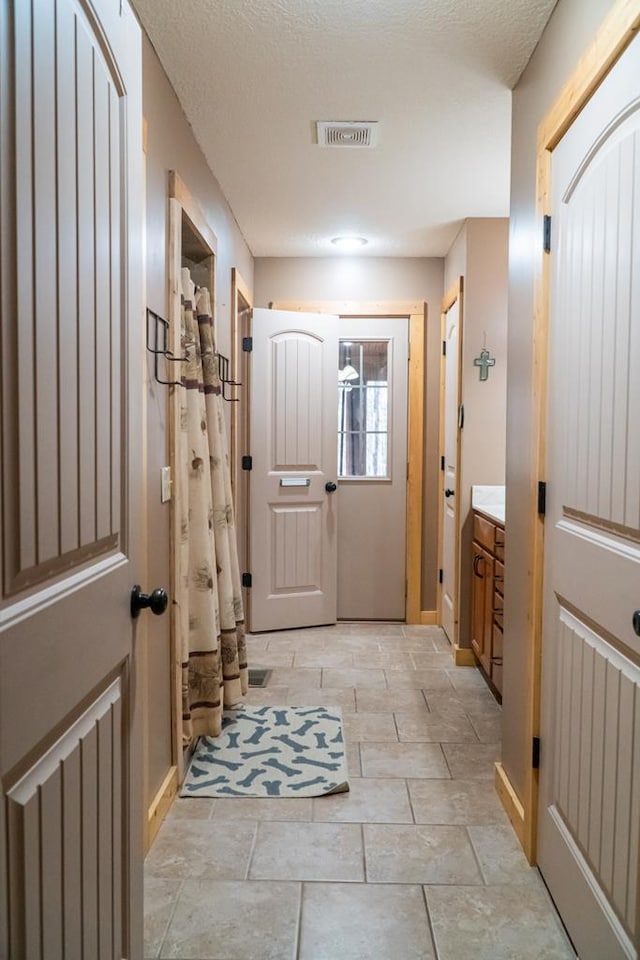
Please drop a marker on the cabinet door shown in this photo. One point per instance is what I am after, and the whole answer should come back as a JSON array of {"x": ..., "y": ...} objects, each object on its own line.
[{"x": 482, "y": 609}]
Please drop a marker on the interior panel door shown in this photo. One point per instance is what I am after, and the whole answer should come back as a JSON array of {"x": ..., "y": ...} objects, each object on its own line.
[
  {"x": 451, "y": 446},
  {"x": 589, "y": 811},
  {"x": 71, "y": 243},
  {"x": 294, "y": 514}
]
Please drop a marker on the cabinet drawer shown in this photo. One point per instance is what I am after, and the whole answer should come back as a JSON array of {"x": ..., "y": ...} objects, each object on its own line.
[
  {"x": 498, "y": 608},
  {"x": 496, "y": 644},
  {"x": 498, "y": 545},
  {"x": 498, "y": 577},
  {"x": 484, "y": 532}
]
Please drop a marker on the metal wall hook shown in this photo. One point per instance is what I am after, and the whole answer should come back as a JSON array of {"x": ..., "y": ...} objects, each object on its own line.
[
  {"x": 223, "y": 374},
  {"x": 160, "y": 324}
]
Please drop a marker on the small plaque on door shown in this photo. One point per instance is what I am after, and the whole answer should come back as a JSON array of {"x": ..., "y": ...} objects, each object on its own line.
[{"x": 294, "y": 481}]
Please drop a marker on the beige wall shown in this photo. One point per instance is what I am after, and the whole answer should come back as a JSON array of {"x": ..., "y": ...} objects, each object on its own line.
[
  {"x": 480, "y": 255},
  {"x": 171, "y": 146},
  {"x": 567, "y": 34},
  {"x": 376, "y": 278}
]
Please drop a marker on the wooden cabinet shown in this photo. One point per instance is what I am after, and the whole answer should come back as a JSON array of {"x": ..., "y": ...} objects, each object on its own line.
[{"x": 487, "y": 596}]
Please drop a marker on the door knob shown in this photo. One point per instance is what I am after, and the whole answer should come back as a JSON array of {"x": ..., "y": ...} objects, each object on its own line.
[
  {"x": 330, "y": 487},
  {"x": 448, "y": 492},
  {"x": 636, "y": 621},
  {"x": 156, "y": 601}
]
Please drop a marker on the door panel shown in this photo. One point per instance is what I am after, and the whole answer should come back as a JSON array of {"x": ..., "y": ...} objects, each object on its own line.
[
  {"x": 71, "y": 378},
  {"x": 589, "y": 817},
  {"x": 293, "y": 518},
  {"x": 450, "y": 544},
  {"x": 372, "y": 533}
]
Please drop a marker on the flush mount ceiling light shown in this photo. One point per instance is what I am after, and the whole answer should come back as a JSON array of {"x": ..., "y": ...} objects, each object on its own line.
[{"x": 349, "y": 243}]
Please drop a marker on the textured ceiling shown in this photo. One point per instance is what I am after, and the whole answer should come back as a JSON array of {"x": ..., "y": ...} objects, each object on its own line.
[{"x": 253, "y": 76}]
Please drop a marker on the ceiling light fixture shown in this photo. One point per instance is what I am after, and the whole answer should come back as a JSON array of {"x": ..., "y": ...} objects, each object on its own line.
[{"x": 349, "y": 243}]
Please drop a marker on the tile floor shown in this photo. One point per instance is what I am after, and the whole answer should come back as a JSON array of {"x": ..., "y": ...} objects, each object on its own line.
[{"x": 418, "y": 861}]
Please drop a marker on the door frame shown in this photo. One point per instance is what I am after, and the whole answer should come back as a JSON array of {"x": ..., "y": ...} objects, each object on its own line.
[
  {"x": 616, "y": 32},
  {"x": 455, "y": 293},
  {"x": 240, "y": 414},
  {"x": 416, "y": 312}
]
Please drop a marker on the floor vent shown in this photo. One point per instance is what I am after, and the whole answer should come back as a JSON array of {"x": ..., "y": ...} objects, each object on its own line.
[
  {"x": 259, "y": 678},
  {"x": 347, "y": 133}
]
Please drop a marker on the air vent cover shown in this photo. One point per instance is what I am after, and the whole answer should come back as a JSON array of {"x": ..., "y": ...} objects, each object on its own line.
[{"x": 347, "y": 133}]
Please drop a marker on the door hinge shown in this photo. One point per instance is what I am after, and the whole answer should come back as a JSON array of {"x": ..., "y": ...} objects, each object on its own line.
[
  {"x": 440, "y": 575},
  {"x": 247, "y": 580},
  {"x": 542, "y": 497},
  {"x": 444, "y": 348},
  {"x": 461, "y": 416},
  {"x": 247, "y": 344},
  {"x": 546, "y": 233},
  {"x": 535, "y": 753},
  {"x": 442, "y": 463},
  {"x": 247, "y": 462}
]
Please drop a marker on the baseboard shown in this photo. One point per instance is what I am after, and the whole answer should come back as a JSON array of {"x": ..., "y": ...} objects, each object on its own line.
[
  {"x": 160, "y": 805},
  {"x": 511, "y": 803},
  {"x": 429, "y": 618},
  {"x": 464, "y": 657}
]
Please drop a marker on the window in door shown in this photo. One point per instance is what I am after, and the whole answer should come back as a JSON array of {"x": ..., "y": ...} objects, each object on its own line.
[{"x": 363, "y": 409}]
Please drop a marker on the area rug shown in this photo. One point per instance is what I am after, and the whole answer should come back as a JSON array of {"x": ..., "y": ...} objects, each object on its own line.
[{"x": 271, "y": 752}]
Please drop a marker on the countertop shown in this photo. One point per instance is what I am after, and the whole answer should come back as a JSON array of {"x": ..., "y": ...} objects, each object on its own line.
[{"x": 489, "y": 500}]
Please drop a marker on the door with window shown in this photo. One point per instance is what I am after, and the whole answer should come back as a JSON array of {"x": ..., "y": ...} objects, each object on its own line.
[{"x": 372, "y": 467}]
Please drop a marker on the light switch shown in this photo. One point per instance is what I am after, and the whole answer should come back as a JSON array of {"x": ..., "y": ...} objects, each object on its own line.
[{"x": 166, "y": 484}]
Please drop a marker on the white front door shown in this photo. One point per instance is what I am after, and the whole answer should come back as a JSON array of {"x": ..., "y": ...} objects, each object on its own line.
[
  {"x": 589, "y": 810},
  {"x": 71, "y": 244},
  {"x": 372, "y": 467},
  {"x": 294, "y": 508},
  {"x": 449, "y": 491}
]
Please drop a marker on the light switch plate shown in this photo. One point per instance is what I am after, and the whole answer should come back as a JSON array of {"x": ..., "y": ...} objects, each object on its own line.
[{"x": 165, "y": 484}]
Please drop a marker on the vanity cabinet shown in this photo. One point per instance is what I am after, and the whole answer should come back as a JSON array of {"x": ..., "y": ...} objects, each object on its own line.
[{"x": 487, "y": 596}]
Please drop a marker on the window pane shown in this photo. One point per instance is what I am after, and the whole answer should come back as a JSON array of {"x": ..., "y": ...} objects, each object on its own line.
[{"x": 363, "y": 408}]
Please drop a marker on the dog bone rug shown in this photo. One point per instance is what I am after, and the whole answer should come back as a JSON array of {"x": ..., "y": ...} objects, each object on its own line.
[{"x": 271, "y": 752}]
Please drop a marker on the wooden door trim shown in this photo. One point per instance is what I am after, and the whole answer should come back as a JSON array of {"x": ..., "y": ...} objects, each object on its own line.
[
  {"x": 240, "y": 425},
  {"x": 454, "y": 294},
  {"x": 613, "y": 37},
  {"x": 181, "y": 202},
  {"x": 416, "y": 312}
]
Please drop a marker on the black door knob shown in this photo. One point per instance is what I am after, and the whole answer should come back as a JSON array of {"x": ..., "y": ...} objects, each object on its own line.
[
  {"x": 448, "y": 492},
  {"x": 636, "y": 621},
  {"x": 156, "y": 601},
  {"x": 330, "y": 487}
]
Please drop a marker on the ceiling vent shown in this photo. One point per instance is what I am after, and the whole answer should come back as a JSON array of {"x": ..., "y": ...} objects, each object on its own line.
[{"x": 347, "y": 133}]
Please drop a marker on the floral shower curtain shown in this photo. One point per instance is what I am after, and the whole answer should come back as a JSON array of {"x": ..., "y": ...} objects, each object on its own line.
[{"x": 214, "y": 661}]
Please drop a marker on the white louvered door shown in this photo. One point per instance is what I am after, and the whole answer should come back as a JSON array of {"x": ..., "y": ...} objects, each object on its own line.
[
  {"x": 294, "y": 521},
  {"x": 71, "y": 246},
  {"x": 589, "y": 819}
]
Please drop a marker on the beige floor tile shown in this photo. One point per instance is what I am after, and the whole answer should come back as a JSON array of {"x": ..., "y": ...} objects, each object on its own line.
[
  {"x": 191, "y": 808},
  {"x": 296, "y": 678},
  {"x": 419, "y": 854},
  {"x": 272, "y": 658},
  {"x": 441, "y": 642},
  {"x": 370, "y": 628},
  {"x": 368, "y": 801},
  {"x": 434, "y": 729},
  {"x": 266, "y": 696},
  {"x": 201, "y": 848},
  {"x": 322, "y": 697},
  {"x": 159, "y": 901},
  {"x": 353, "y": 643},
  {"x": 401, "y": 760},
  {"x": 433, "y": 660},
  {"x": 354, "y": 767},
  {"x": 391, "y": 923},
  {"x": 385, "y": 701},
  {"x": 495, "y": 923},
  {"x": 488, "y": 729},
  {"x": 419, "y": 680},
  {"x": 323, "y": 658},
  {"x": 256, "y": 645},
  {"x": 234, "y": 921},
  {"x": 371, "y": 679},
  {"x": 466, "y": 678},
  {"x": 308, "y": 851},
  {"x": 263, "y": 808},
  {"x": 445, "y": 704},
  {"x": 383, "y": 661},
  {"x": 471, "y": 761},
  {"x": 456, "y": 801},
  {"x": 417, "y": 644},
  {"x": 419, "y": 630},
  {"x": 500, "y": 856},
  {"x": 376, "y": 727}
]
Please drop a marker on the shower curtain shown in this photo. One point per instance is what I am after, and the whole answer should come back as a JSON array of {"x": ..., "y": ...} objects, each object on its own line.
[{"x": 214, "y": 661}]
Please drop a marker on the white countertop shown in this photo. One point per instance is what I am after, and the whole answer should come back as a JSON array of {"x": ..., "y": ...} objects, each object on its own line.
[{"x": 490, "y": 500}]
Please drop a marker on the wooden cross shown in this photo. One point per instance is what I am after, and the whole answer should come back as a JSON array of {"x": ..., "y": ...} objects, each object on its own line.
[{"x": 484, "y": 361}]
